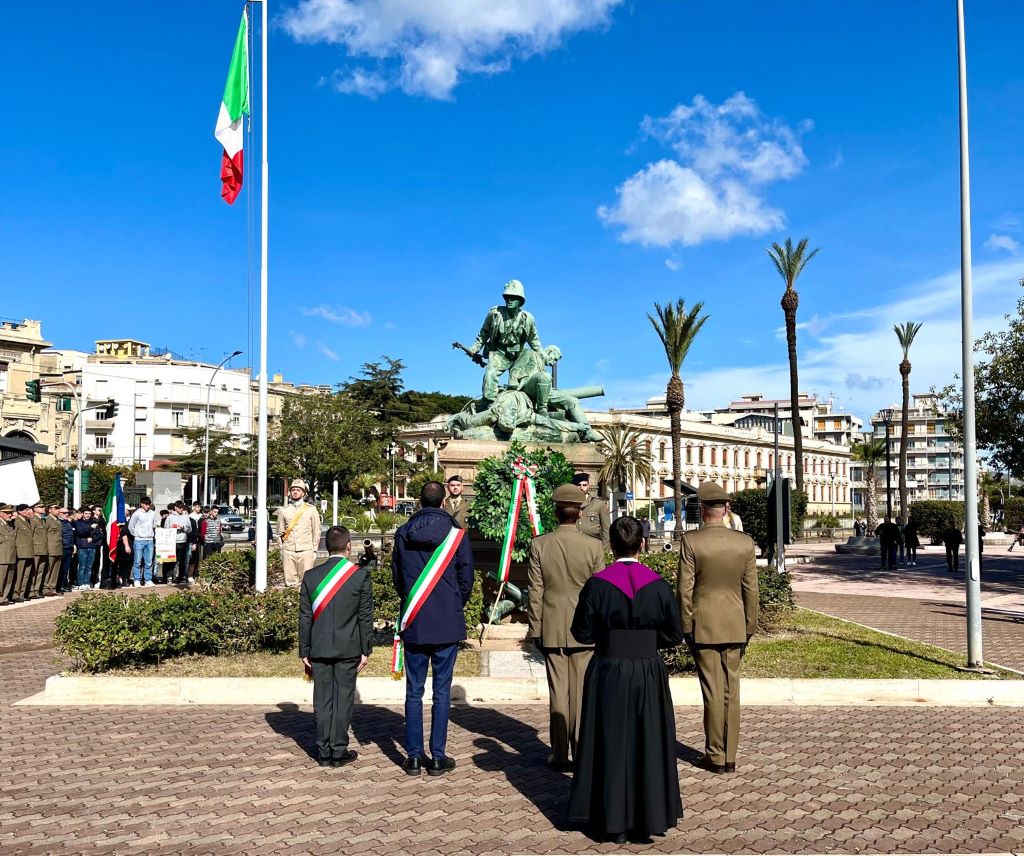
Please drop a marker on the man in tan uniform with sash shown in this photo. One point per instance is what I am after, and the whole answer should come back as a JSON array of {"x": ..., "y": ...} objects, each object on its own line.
[
  {"x": 455, "y": 503},
  {"x": 594, "y": 518},
  {"x": 718, "y": 598},
  {"x": 560, "y": 563},
  {"x": 8, "y": 553},
  {"x": 298, "y": 530}
]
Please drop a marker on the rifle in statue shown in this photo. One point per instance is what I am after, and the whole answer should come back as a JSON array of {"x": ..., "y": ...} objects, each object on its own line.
[{"x": 476, "y": 358}]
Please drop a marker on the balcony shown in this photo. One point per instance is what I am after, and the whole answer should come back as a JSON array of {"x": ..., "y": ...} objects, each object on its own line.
[
  {"x": 98, "y": 424},
  {"x": 93, "y": 454}
]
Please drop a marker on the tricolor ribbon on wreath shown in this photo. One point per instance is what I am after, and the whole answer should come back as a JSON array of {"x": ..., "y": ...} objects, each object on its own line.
[
  {"x": 523, "y": 489},
  {"x": 429, "y": 577}
]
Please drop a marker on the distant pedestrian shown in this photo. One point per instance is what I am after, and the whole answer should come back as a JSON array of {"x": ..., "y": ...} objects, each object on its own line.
[
  {"x": 298, "y": 528},
  {"x": 212, "y": 532},
  {"x": 645, "y": 530},
  {"x": 87, "y": 539},
  {"x": 912, "y": 541},
  {"x": 952, "y": 538},
  {"x": 888, "y": 535},
  {"x": 181, "y": 523},
  {"x": 195, "y": 541},
  {"x": 1018, "y": 539}
]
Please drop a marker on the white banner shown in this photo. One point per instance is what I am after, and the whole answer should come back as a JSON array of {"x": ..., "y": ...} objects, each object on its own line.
[
  {"x": 164, "y": 545},
  {"x": 18, "y": 482}
]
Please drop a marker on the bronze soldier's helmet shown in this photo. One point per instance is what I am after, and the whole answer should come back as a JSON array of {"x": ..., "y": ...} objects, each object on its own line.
[{"x": 514, "y": 288}]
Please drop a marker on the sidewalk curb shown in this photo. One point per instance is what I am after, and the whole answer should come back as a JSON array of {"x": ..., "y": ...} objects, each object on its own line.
[{"x": 98, "y": 690}]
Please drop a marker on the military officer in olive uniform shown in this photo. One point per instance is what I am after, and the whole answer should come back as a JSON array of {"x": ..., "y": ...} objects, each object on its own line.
[
  {"x": 47, "y": 582},
  {"x": 560, "y": 563},
  {"x": 25, "y": 551},
  {"x": 41, "y": 550},
  {"x": 718, "y": 598},
  {"x": 298, "y": 530},
  {"x": 594, "y": 518},
  {"x": 8, "y": 553},
  {"x": 455, "y": 503},
  {"x": 506, "y": 331}
]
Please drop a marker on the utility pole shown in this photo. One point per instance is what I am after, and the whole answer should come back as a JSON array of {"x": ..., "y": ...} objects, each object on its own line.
[
  {"x": 780, "y": 539},
  {"x": 887, "y": 416}
]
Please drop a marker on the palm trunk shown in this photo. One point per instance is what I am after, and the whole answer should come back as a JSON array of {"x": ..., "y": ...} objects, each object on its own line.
[
  {"x": 904, "y": 441},
  {"x": 790, "y": 301},
  {"x": 871, "y": 499}
]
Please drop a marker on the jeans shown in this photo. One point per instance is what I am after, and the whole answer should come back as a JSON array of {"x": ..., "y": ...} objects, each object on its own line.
[
  {"x": 85, "y": 558},
  {"x": 144, "y": 552},
  {"x": 181, "y": 552},
  {"x": 442, "y": 659},
  {"x": 64, "y": 580}
]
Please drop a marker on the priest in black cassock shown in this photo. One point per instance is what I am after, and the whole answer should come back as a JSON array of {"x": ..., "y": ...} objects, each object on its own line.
[{"x": 625, "y": 783}]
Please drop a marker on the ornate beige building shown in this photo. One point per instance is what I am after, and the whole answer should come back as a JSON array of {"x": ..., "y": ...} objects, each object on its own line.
[{"x": 21, "y": 360}]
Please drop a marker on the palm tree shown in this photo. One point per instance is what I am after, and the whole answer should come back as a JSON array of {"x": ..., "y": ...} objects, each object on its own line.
[
  {"x": 870, "y": 454},
  {"x": 905, "y": 333},
  {"x": 677, "y": 329},
  {"x": 625, "y": 456},
  {"x": 790, "y": 262}
]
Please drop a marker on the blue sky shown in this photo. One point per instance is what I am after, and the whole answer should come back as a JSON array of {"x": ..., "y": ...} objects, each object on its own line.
[{"x": 608, "y": 154}]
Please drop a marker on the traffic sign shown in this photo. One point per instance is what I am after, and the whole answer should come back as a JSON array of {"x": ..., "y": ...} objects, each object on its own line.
[{"x": 629, "y": 495}]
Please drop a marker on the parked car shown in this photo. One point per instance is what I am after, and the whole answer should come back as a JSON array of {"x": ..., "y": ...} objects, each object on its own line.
[
  {"x": 233, "y": 525},
  {"x": 406, "y": 508}
]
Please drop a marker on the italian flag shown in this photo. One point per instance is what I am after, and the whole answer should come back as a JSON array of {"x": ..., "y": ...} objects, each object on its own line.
[
  {"x": 113, "y": 514},
  {"x": 233, "y": 107}
]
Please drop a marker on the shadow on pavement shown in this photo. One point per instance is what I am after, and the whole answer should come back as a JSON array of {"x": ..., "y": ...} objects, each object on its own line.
[
  {"x": 298, "y": 725},
  {"x": 514, "y": 748},
  {"x": 384, "y": 727}
]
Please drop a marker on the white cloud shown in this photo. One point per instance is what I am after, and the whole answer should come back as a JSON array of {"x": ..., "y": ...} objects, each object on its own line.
[
  {"x": 673, "y": 264},
  {"x": 425, "y": 47},
  {"x": 1002, "y": 242},
  {"x": 713, "y": 190},
  {"x": 327, "y": 352},
  {"x": 340, "y": 315},
  {"x": 838, "y": 160},
  {"x": 298, "y": 339}
]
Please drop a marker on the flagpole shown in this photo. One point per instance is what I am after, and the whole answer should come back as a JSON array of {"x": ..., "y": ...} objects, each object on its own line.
[
  {"x": 973, "y": 575},
  {"x": 261, "y": 465}
]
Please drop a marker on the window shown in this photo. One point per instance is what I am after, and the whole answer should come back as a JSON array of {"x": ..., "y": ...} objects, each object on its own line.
[
  {"x": 714, "y": 457},
  {"x": 176, "y": 417},
  {"x": 689, "y": 455},
  {"x": 661, "y": 453},
  {"x": 101, "y": 442},
  {"x": 759, "y": 460},
  {"x": 837, "y": 424},
  {"x": 700, "y": 455},
  {"x": 3, "y": 378},
  {"x": 746, "y": 458}
]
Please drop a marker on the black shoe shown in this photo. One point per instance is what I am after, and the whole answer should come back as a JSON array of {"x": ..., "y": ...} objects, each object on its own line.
[
  {"x": 413, "y": 766},
  {"x": 560, "y": 766},
  {"x": 619, "y": 838},
  {"x": 730, "y": 766},
  {"x": 347, "y": 758},
  {"x": 17, "y": 599},
  {"x": 711, "y": 766},
  {"x": 323, "y": 762},
  {"x": 440, "y": 766}
]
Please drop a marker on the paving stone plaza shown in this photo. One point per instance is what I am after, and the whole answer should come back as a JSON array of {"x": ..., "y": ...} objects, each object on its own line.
[{"x": 219, "y": 780}]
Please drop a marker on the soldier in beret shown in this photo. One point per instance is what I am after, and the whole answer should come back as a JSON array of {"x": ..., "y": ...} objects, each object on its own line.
[
  {"x": 25, "y": 551},
  {"x": 594, "y": 518},
  {"x": 718, "y": 598},
  {"x": 8, "y": 553},
  {"x": 455, "y": 504},
  {"x": 560, "y": 563}
]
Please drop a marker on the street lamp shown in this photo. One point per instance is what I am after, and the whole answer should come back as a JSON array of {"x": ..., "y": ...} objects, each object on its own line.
[
  {"x": 393, "y": 453},
  {"x": 887, "y": 417},
  {"x": 833, "y": 475},
  {"x": 206, "y": 443}
]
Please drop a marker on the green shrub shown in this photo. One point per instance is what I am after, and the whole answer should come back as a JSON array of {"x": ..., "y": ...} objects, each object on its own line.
[
  {"x": 1014, "y": 510},
  {"x": 752, "y": 507},
  {"x": 933, "y": 516},
  {"x": 475, "y": 606},
  {"x": 101, "y": 632},
  {"x": 236, "y": 569}
]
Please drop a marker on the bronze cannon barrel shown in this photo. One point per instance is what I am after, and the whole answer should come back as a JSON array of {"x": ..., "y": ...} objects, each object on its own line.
[{"x": 583, "y": 391}]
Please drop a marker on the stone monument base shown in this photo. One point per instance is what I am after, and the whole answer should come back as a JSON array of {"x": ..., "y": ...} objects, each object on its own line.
[{"x": 462, "y": 457}]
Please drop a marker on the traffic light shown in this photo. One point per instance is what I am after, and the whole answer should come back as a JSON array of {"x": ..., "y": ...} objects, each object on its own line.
[
  {"x": 33, "y": 391},
  {"x": 85, "y": 481},
  {"x": 69, "y": 479},
  {"x": 110, "y": 411}
]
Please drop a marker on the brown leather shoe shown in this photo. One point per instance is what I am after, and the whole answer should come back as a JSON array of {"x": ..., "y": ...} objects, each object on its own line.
[
  {"x": 711, "y": 766},
  {"x": 730, "y": 766}
]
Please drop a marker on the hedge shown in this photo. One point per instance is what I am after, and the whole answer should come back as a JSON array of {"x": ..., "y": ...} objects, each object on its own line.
[
  {"x": 933, "y": 516},
  {"x": 1013, "y": 508},
  {"x": 752, "y": 507}
]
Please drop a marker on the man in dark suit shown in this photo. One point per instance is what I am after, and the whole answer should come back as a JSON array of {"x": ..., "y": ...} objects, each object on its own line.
[
  {"x": 335, "y": 639},
  {"x": 718, "y": 598},
  {"x": 433, "y": 635}
]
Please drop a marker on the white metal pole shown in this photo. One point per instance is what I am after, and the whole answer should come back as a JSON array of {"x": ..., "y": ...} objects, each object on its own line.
[
  {"x": 334, "y": 493},
  {"x": 974, "y": 652},
  {"x": 261, "y": 465}
]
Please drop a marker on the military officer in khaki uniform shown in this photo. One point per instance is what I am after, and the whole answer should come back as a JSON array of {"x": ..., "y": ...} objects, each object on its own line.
[
  {"x": 298, "y": 530},
  {"x": 54, "y": 552},
  {"x": 560, "y": 563},
  {"x": 594, "y": 518},
  {"x": 455, "y": 503},
  {"x": 41, "y": 550},
  {"x": 25, "y": 551},
  {"x": 718, "y": 599},
  {"x": 8, "y": 553}
]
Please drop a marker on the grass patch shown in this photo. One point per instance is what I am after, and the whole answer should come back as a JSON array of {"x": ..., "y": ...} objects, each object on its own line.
[
  {"x": 807, "y": 644},
  {"x": 269, "y": 665}
]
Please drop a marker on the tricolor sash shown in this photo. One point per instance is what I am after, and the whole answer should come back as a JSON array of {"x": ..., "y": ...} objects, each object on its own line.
[
  {"x": 336, "y": 578},
  {"x": 523, "y": 487},
  {"x": 429, "y": 577}
]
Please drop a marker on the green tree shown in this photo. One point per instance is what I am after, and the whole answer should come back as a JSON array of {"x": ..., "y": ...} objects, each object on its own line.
[
  {"x": 322, "y": 437},
  {"x": 625, "y": 456},
  {"x": 870, "y": 454},
  {"x": 227, "y": 458},
  {"x": 998, "y": 395},
  {"x": 377, "y": 391},
  {"x": 424, "y": 406},
  {"x": 415, "y": 485},
  {"x": 905, "y": 333},
  {"x": 493, "y": 486},
  {"x": 677, "y": 329},
  {"x": 790, "y": 262}
]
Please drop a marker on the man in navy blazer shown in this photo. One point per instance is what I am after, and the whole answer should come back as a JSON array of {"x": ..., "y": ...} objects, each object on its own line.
[{"x": 434, "y": 635}]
